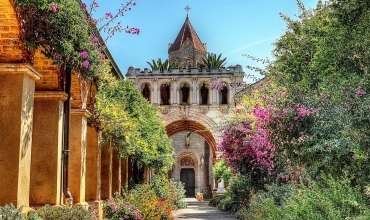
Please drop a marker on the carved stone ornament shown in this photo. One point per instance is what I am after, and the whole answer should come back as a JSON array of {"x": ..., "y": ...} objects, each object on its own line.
[
  {"x": 223, "y": 110},
  {"x": 187, "y": 162},
  {"x": 203, "y": 110},
  {"x": 165, "y": 110}
]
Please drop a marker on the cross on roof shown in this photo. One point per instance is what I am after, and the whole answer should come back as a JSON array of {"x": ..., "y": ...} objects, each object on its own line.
[{"x": 187, "y": 9}]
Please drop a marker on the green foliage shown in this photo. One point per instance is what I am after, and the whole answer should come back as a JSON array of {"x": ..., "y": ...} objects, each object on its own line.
[
  {"x": 116, "y": 208},
  {"x": 61, "y": 35},
  {"x": 171, "y": 191},
  {"x": 222, "y": 171},
  {"x": 62, "y": 212},
  {"x": 325, "y": 199},
  {"x": 212, "y": 60},
  {"x": 322, "y": 61},
  {"x": 154, "y": 200},
  {"x": 131, "y": 123},
  {"x": 11, "y": 212}
]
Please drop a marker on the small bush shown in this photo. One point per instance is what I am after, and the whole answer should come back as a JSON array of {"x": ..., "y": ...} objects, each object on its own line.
[
  {"x": 61, "y": 213},
  {"x": 12, "y": 212},
  {"x": 327, "y": 199},
  {"x": 116, "y": 208}
]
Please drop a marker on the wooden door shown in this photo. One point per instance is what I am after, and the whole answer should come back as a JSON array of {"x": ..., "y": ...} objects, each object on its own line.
[{"x": 187, "y": 176}]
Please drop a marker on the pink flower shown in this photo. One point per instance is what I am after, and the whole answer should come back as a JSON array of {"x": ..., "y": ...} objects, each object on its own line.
[
  {"x": 84, "y": 6},
  {"x": 54, "y": 8},
  {"x": 315, "y": 91},
  {"x": 95, "y": 39},
  {"x": 85, "y": 64},
  {"x": 108, "y": 15},
  {"x": 84, "y": 54},
  {"x": 238, "y": 110}
]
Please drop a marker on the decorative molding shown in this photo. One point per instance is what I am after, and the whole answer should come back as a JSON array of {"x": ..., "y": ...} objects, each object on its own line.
[
  {"x": 51, "y": 95},
  {"x": 23, "y": 68},
  {"x": 165, "y": 110}
]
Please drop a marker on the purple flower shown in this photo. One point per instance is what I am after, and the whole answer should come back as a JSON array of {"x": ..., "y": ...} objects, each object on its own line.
[
  {"x": 84, "y": 54},
  {"x": 84, "y": 6},
  {"x": 85, "y": 64},
  {"x": 54, "y": 8},
  {"x": 238, "y": 110},
  {"x": 315, "y": 91}
]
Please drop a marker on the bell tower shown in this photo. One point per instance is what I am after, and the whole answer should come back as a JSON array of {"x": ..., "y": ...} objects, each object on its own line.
[{"x": 187, "y": 50}]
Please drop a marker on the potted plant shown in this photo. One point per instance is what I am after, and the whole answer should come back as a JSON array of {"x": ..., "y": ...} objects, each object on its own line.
[{"x": 199, "y": 196}]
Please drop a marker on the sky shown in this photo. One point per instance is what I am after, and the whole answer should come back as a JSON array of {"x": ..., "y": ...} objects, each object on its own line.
[{"x": 232, "y": 28}]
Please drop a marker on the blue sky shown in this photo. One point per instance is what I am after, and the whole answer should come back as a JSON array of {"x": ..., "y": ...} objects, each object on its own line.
[{"x": 232, "y": 28}]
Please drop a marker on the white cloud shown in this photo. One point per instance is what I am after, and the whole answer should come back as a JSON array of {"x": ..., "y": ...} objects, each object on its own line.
[{"x": 250, "y": 45}]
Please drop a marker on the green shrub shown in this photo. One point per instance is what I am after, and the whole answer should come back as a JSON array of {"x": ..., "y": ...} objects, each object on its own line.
[
  {"x": 171, "y": 191},
  {"x": 116, "y": 208},
  {"x": 62, "y": 213},
  {"x": 325, "y": 199},
  {"x": 10, "y": 212}
]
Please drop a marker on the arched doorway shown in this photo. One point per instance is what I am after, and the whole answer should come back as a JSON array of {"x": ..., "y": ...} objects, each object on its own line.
[
  {"x": 194, "y": 152},
  {"x": 187, "y": 176}
]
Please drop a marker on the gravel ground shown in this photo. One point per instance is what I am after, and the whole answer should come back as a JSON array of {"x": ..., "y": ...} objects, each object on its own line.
[{"x": 201, "y": 210}]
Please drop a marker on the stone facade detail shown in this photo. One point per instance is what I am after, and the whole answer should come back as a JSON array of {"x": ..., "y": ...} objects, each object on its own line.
[{"x": 192, "y": 114}]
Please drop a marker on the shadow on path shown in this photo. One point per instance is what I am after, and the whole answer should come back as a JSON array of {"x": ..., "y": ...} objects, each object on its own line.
[{"x": 201, "y": 210}]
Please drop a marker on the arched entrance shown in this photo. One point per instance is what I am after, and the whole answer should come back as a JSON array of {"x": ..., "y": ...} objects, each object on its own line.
[
  {"x": 195, "y": 150},
  {"x": 187, "y": 176}
]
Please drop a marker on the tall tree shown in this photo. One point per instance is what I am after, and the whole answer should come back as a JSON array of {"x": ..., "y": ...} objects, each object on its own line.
[
  {"x": 212, "y": 60},
  {"x": 159, "y": 64}
]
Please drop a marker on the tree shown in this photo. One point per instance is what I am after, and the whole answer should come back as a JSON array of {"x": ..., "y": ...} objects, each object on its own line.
[
  {"x": 159, "y": 65},
  {"x": 212, "y": 60},
  {"x": 131, "y": 124}
]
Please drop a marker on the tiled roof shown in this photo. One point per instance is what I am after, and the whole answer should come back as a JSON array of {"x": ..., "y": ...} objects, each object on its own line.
[{"x": 187, "y": 32}]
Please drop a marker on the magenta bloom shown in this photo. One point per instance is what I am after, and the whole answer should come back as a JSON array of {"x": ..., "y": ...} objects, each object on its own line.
[
  {"x": 54, "y": 8},
  {"x": 84, "y": 54},
  {"x": 95, "y": 39},
  {"x": 85, "y": 64},
  {"x": 84, "y": 6},
  {"x": 108, "y": 15},
  {"x": 238, "y": 110}
]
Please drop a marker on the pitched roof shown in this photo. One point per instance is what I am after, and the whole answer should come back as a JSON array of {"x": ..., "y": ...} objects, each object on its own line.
[{"x": 187, "y": 32}]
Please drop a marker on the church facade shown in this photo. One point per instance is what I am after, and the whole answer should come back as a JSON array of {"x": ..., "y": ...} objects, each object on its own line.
[{"x": 190, "y": 108}]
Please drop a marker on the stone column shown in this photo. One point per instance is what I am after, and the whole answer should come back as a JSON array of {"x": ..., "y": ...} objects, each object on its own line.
[
  {"x": 155, "y": 92},
  {"x": 174, "y": 92},
  {"x": 17, "y": 87},
  {"x": 124, "y": 173},
  {"x": 215, "y": 100},
  {"x": 106, "y": 170},
  {"x": 207, "y": 192},
  {"x": 92, "y": 165},
  {"x": 195, "y": 91},
  {"x": 77, "y": 163},
  {"x": 116, "y": 172},
  {"x": 46, "y": 163}
]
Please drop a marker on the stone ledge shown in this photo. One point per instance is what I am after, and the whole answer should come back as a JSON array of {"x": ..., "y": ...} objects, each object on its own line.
[
  {"x": 51, "y": 95},
  {"x": 81, "y": 112},
  {"x": 20, "y": 68}
]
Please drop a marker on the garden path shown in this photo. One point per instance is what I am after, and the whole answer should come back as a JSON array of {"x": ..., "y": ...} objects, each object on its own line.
[{"x": 197, "y": 210}]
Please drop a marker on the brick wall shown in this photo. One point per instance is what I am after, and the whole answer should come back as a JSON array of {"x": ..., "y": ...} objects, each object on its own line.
[{"x": 9, "y": 31}]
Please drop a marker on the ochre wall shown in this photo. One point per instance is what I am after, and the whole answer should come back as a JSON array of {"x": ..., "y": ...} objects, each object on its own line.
[{"x": 9, "y": 32}]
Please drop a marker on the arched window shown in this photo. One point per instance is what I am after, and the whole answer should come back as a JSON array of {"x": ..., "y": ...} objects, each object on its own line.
[
  {"x": 204, "y": 94},
  {"x": 146, "y": 92},
  {"x": 165, "y": 94},
  {"x": 224, "y": 95},
  {"x": 184, "y": 94}
]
